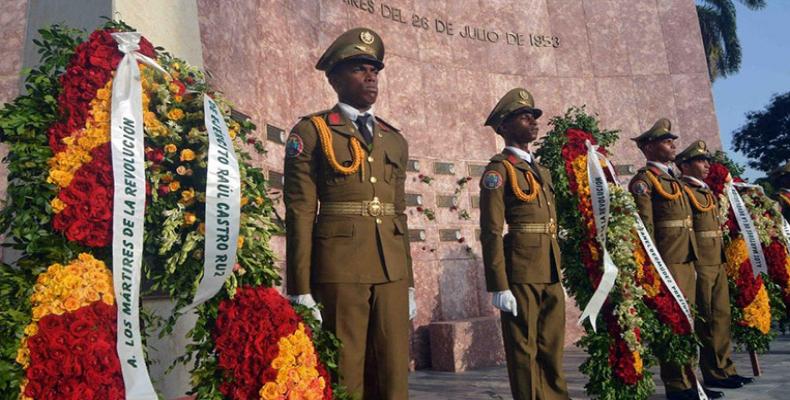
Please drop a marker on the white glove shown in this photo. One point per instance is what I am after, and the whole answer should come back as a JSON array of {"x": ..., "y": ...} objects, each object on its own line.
[
  {"x": 412, "y": 304},
  {"x": 308, "y": 301},
  {"x": 505, "y": 301}
]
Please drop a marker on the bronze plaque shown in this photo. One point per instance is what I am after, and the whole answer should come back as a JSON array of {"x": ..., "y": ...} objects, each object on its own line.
[
  {"x": 444, "y": 168},
  {"x": 446, "y": 201},
  {"x": 450, "y": 235},
  {"x": 417, "y": 235},
  {"x": 276, "y": 180},
  {"x": 413, "y": 199},
  {"x": 275, "y": 134}
]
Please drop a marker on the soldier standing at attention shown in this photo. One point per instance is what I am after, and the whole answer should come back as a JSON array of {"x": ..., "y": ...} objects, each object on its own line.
[
  {"x": 780, "y": 178},
  {"x": 522, "y": 269},
  {"x": 347, "y": 241},
  {"x": 666, "y": 212},
  {"x": 713, "y": 294}
]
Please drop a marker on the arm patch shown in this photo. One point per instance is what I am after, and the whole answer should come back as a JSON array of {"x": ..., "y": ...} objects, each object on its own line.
[
  {"x": 294, "y": 145},
  {"x": 639, "y": 187},
  {"x": 492, "y": 180}
]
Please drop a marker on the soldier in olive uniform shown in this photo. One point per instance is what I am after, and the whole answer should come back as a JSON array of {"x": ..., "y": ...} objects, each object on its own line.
[
  {"x": 522, "y": 269},
  {"x": 666, "y": 212},
  {"x": 713, "y": 296},
  {"x": 780, "y": 178},
  {"x": 347, "y": 241}
]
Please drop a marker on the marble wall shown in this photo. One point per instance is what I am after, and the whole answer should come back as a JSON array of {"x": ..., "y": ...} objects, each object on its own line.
[{"x": 629, "y": 61}]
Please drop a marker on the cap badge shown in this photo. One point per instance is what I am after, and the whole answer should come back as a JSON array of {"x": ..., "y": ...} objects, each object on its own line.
[{"x": 366, "y": 37}]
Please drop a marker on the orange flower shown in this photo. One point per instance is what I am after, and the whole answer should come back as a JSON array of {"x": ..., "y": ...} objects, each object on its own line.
[
  {"x": 187, "y": 155},
  {"x": 170, "y": 148},
  {"x": 189, "y": 218},
  {"x": 175, "y": 185},
  {"x": 175, "y": 114}
]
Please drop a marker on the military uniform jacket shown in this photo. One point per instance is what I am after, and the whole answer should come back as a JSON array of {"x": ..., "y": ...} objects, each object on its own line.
[
  {"x": 344, "y": 248},
  {"x": 677, "y": 244},
  {"x": 518, "y": 257},
  {"x": 707, "y": 228}
]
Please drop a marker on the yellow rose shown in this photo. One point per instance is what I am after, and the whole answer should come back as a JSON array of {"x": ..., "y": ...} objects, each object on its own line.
[
  {"x": 31, "y": 329},
  {"x": 232, "y": 133},
  {"x": 178, "y": 98},
  {"x": 189, "y": 218},
  {"x": 175, "y": 185},
  {"x": 240, "y": 241},
  {"x": 259, "y": 200},
  {"x": 170, "y": 148},
  {"x": 92, "y": 295},
  {"x": 244, "y": 201},
  {"x": 71, "y": 303},
  {"x": 187, "y": 155},
  {"x": 175, "y": 114},
  {"x": 278, "y": 363},
  {"x": 187, "y": 195},
  {"x": 57, "y": 205},
  {"x": 269, "y": 391},
  {"x": 103, "y": 94}
]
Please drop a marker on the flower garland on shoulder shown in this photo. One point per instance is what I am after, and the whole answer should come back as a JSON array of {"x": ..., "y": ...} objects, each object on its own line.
[
  {"x": 752, "y": 308},
  {"x": 618, "y": 355}
]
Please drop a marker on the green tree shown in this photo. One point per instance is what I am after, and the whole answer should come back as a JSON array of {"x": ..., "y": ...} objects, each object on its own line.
[
  {"x": 765, "y": 137},
  {"x": 720, "y": 36}
]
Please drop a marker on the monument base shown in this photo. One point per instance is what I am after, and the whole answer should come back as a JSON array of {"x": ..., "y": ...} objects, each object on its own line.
[{"x": 466, "y": 344}]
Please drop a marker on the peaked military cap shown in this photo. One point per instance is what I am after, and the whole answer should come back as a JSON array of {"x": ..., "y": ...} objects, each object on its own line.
[
  {"x": 355, "y": 44},
  {"x": 662, "y": 129},
  {"x": 516, "y": 100},
  {"x": 781, "y": 171},
  {"x": 697, "y": 149}
]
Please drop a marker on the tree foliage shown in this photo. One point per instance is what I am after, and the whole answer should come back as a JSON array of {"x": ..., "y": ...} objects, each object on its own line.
[
  {"x": 719, "y": 34},
  {"x": 765, "y": 137}
]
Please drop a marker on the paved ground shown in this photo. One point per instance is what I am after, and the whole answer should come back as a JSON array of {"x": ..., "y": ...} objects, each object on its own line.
[{"x": 492, "y": 383}]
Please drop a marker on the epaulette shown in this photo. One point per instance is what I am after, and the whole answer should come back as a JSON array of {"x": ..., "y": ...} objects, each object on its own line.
[
  {"x": 386, "y": 125},
  {"x": 322, "y": 112},
  {"x": 498, "y": 157}
]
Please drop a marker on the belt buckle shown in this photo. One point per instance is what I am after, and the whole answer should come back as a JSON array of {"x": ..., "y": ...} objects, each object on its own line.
[
  {"x": 375, "y": 208},
  {"x": 689, "y": 222},
  {"x": 552, "y": 227}
]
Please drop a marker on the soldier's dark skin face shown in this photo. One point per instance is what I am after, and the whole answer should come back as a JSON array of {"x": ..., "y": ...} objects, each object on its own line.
[
  {"x": 696, "y": 167},
  {"x": 356, "y": 84},
  {"x": 519, "y": 130},
  {"x": 662, "y": 151}
]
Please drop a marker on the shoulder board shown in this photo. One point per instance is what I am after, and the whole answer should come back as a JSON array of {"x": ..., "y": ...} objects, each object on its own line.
[
  {"x": 655, "y": 170},
  {"x": 386, "y": 125},
  {"x": 319, "y": 113},
  {"x": 498, "y": 157}
]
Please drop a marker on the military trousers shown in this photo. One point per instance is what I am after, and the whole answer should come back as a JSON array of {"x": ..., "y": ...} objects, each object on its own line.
[
  {"x": 534, "y": 342},
  {"x": 371, "y": 321},
  {"x": 681, "y": 377},
  {"x": 713, "y": 324}
]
